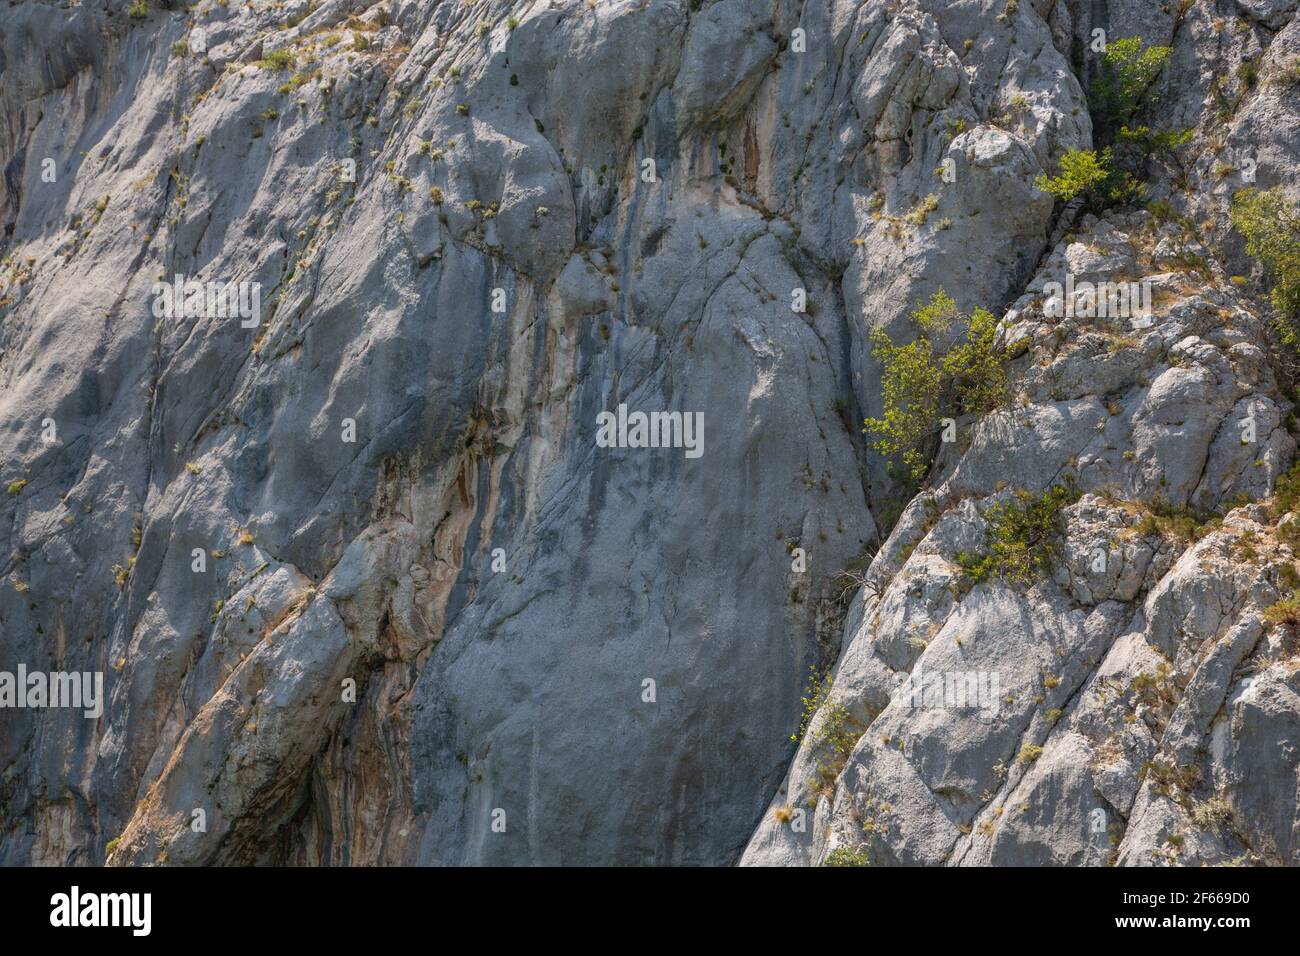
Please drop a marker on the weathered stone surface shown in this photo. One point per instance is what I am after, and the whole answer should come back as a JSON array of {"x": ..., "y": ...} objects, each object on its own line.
[
  {"x": 1099, "y": 714},
  {"x": 432, "y": 604}
]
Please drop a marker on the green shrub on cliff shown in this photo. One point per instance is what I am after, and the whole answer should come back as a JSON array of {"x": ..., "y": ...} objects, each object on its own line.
[
  {"x": 1022, "y": 538},
  {"x": 919, "y": 387},
  {"x": 1270, "y": 225}
]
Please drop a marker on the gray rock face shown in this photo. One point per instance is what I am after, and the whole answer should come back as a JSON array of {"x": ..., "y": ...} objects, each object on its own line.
[
  {"x": 368, "y": 584},
  {"x": 1093, "y": 709}
]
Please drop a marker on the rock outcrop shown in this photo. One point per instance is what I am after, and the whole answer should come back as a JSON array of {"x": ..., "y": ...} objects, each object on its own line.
[
  {"x": 366, "y": 581},
  {"x": 1094, "y": 716}
]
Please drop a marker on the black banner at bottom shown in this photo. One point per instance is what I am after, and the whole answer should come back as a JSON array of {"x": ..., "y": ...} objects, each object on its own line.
[{"x": 362, "y": 906}]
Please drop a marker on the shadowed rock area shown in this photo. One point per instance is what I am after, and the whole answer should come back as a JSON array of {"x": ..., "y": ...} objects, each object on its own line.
[{"x": 367, "y": 585}]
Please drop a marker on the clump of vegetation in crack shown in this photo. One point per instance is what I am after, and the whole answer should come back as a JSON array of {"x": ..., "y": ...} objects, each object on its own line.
[
  {"x": 1214, "y": 815},
  {"x": 1270, "y": 225},
  {"x": 847, "y": 856},
  {"x": 278, "y": 60},
  {"x": 835, "y": 736},
  {"x": 1287, "y": 495},
  {"x": 1285, "y": 612},
  {"x": 1157, "y": 691},
  {"x": 1080, "y": 171},
  {"x": 1286, "y": 498},
  {"x": 1028, "y": 754},
  {"x": 1124, "y": 86},
  {"x": 1123, "y": 90},
  {"x": 1180, "y": 523},
  {"x": 1171, "y": 780},
  {"x": 919, "y": 387},
  {"x": 1022, "y": 537}
]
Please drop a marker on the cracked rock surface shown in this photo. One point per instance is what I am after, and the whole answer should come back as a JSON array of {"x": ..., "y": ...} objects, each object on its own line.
[{"x": 436, "y": 622}]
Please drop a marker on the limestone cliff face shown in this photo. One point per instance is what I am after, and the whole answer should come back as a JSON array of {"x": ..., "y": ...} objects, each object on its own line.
[{"x": 365, "y": 587}]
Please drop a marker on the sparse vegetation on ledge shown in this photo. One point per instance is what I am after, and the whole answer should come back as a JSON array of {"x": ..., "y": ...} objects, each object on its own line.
[{"x": 1022, "y": 539}]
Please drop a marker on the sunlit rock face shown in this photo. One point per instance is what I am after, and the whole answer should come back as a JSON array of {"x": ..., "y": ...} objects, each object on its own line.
[{"x": 440, "y": 428}]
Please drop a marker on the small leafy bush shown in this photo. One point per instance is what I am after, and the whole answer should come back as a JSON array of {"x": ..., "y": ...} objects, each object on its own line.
[
  {"x": 918, "y": 387},
  {"x": 910, "y": 381},
  {"x": 846, "y": 856},
  {"x": 835, "y": 737},
  {"x": 1286, "y": 611},
  {"x": 1124, "y": 86},
  {"x": 977, "y": 368},
  {"x": 1081, "y": 170},
  {"x": 1028, "y": 754},
  {"x": 1179, "y": 524},
  {"x": 1022, "y": 538},
  {"x": 280, "y": 60},
  {"x": 1287, "y": 495},
  {"x": 1085, "y": 172},
  {"x": 1270, "y": 225}
]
